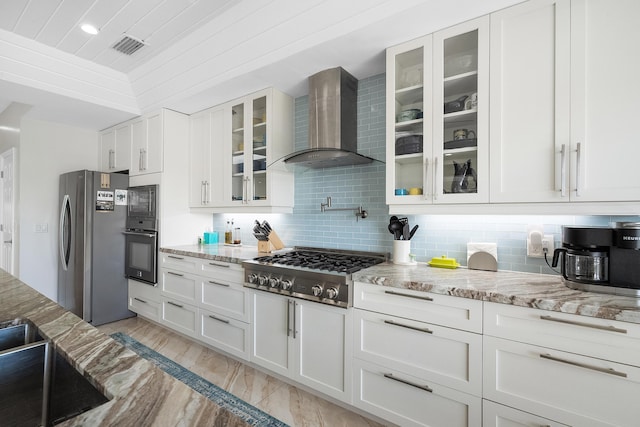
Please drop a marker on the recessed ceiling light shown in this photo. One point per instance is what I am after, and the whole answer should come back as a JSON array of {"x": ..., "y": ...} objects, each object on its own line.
[{"x": 89, "y": 29}]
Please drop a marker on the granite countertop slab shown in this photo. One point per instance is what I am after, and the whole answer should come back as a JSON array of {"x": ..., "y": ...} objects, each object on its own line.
[
  {"x": 141, "y": 394},
  {"x": 546, "y": 292},
  {"x": 220, "y": 252}
]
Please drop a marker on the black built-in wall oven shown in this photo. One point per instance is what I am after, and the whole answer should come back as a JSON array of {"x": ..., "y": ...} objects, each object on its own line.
[{"x": 141, "y": 234}]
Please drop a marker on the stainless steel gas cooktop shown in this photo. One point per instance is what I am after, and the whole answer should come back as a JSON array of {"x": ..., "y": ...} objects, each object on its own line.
[{"x": 314, "y": 274}]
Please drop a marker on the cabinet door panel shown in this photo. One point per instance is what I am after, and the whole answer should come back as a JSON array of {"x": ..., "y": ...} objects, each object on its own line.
[
  {"x": 226, "y": 334},
  {"x": 179, "y": 316},
  {"x": 566, "y": 387},
  {"x": 530, "y": 102},
  {"x": 605, "y": 92},
  {"x": 271, "y": 317},
  {"x": 494, "y": 415}
]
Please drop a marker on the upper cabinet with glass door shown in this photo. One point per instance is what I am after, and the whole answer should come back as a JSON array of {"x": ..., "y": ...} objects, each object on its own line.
[
  {"x": 261, "y": 132},
  {"x": 461, "y": 116},
  {"x": 437, "y": 118}
]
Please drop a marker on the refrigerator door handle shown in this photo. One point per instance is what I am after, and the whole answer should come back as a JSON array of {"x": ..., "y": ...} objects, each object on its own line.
[{"x": 65, "y": 232}]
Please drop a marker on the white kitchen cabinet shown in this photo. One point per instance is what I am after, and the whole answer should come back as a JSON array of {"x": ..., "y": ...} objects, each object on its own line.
[
  {"x": 144, "y": 299},
  {"x": 179, "y": 285},
  {"x": 495, "y": 415},
  {"x": 147, "y": 144},
  {"x": 225, "y": 333},
  {"x": 571, "y": 369},
  {"x": 407, "y": 400},
  {"x": 605, "y": 90},
  {"x": 305, "y": 341},
  {"x": 115, "y": 148},
  {"x": 530, "y": 96},
  {"x": 417, "y": 356},
  {"x": 426, "y": 75},
  {"x": 206, "y": 143},
  {"x": 180, "y": 316},
  {"x": 233, "y": 151}
]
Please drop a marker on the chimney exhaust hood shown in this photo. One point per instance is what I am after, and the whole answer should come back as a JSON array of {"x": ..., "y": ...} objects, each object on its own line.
[{"x": 332, "y": 122}]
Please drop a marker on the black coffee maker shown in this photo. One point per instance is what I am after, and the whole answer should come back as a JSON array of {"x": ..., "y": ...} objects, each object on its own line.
[{"x": 601, "y": 259}]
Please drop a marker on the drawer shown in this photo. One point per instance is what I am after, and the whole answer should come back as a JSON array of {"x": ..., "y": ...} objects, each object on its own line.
[
  {"x": 179, "y": 316},
  {"x": 226, "y": 334},
  {"x": 179, "y": 262},
  {"x": 408, "y": 401},
  {"x": 561, "y": 386},
  {"x": 176, "y": 284},
  {"x": 446, "y": 356},
  {"x": 222, "y": 271},
  {"x": 495, "y": 415},
  {"x": 230, "y": 300},
  {"x": 444, "y": 310},
  {"x": 590, "y": 336},
  {"x": 143, "y": 290}
]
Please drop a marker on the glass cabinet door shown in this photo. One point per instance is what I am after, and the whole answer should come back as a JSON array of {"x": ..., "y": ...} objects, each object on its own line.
[
  {"x": 409, "y": 122},
  {"x": 259, "y": 149},
  {"x": 238, "y": 182},
  {"x": 461, "y": 120}
]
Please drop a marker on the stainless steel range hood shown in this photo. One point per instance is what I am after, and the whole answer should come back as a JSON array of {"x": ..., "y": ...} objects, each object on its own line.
[{"x": 332, "y": 122}]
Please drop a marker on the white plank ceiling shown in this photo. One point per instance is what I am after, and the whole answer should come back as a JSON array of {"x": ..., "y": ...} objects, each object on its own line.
[{"x": 196, "y": 53}]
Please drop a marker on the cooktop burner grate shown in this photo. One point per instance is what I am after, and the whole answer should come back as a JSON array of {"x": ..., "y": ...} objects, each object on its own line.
[{"x": 323, "y": 261}]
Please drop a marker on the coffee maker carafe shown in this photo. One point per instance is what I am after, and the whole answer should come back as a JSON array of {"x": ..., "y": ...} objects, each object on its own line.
[{"x": 585, "y": 254}]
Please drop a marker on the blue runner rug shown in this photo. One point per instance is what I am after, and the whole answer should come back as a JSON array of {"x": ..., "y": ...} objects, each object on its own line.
[{"x": 223, "y": 398}]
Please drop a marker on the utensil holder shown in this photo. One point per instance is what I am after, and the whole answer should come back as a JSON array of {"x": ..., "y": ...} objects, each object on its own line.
[
  {"x": 264, "y": 246},
  {"x": 401, "y": 251}
]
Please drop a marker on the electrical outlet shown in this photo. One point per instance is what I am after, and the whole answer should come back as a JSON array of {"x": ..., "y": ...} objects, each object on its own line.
[
  {"x": 547, "y": 245},
  {"x": 538, "y": 244}
]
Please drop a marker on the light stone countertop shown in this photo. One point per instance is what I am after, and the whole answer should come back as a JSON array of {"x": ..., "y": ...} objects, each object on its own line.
[
  {"x": 141, "y": 394},
  {"x": 219, "y": 252},
  {"x": 546, "y": 292}
]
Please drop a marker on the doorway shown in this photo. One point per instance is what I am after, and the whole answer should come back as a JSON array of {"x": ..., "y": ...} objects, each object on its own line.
[{"x": 7, "y": 211}]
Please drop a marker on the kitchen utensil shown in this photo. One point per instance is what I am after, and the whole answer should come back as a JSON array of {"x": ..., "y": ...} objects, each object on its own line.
[
  {"x": 413, "y": 231},
  {"x": 462, "y": 172},
  {"x": 405, "y": 231},
  {"x": 395, "y": 227}
]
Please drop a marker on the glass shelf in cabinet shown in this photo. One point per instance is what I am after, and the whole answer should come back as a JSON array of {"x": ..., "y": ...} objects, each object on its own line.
[
  {"x": 408, "y": 159},
  {"x": 410, "y": 95},
  {"x": 409, "y": 123},
  {"x": 454, "y": 151},
  {"x": 461, "y": 116},
  {"x": 465, "y": 83},
  {"x": 238, "y": 130}
]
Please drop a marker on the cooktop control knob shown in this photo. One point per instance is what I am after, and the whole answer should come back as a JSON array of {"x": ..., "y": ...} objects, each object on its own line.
[
  {"x": 317, "y": 290},
  {"x": 263, "y": 280},
  {"x": 286, "y": 284},
  {"x": 252, "y": 278},
  {"x": 332, "y": 293},
  {"x": 274, "y": 282}
]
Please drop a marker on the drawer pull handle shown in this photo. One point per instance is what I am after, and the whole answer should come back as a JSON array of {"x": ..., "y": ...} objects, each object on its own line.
[
  {"x": 584, "y": 365},
  {"x": 175, "y": 305},
  {"x": 215, "y": 264},
  {"x": 415, "y": 328},
  {"x": 175, "y": 274},
  {"x": 141, "y": 300},
  {"x": 218, "y": 319},
  {"x": 175, "y": 257},
  {"x": 585, "y": 324},
  {"x": 219, "y": 284},
  {"x": 400, "y": 380},
  {"x": 408, "y": 295}
]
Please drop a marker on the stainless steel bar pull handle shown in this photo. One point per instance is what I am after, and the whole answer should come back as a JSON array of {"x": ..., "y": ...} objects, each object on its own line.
[
  {"x": 175, "y": 257},
  {"x": 412, "y": 384},
  {"x": 400, "y": 294},
  {"x": 289, "y": 328},
  {"x": 402, "y": 325},
  {"x": 584, "y": 365},
  {"x": 219, "y": 284},
  {"x": 175, "y": 305},
  {"x": 563, "y": 171},
  {"x": 141, "y": 300},
  {"x": 175, "y": 274},
  {"x": 219, "y": 265},
  {"x": 219, "y": 319},
  {"x": 435, "y": 176},
  {"x": 112, "y": 159},
  {"x": 578, "y": 161},
  {"x": 425, "y": 180},
  {"x": 585, "y": 324}
]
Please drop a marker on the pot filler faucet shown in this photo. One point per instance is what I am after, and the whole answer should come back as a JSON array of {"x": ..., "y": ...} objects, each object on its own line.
[{"x": 359, "y": 211}]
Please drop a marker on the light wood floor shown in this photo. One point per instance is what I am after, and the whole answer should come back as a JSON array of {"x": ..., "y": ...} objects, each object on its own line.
[{"x": 289, "y": 404}]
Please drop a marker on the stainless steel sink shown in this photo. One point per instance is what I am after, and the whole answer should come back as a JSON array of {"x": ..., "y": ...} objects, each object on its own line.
[{"x": 38, "y": 387}]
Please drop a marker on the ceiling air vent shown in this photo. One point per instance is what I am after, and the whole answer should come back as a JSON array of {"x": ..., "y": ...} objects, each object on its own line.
[{"x": 128, "y": 45}]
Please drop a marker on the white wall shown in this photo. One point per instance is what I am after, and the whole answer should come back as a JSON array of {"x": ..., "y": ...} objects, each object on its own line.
[{"x": 46, "y": 151}]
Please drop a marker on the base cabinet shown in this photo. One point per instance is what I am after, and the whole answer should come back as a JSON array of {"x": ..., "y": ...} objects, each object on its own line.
[
  {"x": 307, "y": 342},
  {"x": 409, "y": 401},
  {"x": 179, "y": 316},
  {"x": 144, "y": 299},
  {"x": 225, "y": 333},
  {"x": 495, "y": 415}
]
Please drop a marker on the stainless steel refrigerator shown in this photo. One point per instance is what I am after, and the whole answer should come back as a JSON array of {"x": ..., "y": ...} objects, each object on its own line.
[{"x": 93, "y": 211}]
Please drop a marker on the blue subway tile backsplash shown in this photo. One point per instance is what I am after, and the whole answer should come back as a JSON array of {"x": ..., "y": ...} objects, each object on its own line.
[{"x": 355, "y": 186}]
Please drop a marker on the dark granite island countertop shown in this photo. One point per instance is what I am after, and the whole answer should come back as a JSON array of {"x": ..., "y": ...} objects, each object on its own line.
[
  {"x": 141, "y": 394},
  {"x": 546, "y": 292}
]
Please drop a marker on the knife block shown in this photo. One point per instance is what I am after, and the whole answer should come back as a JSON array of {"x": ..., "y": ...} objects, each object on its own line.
[
  {"x": 264, "y": 246},
  {"x": 275, "y": 240}
]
